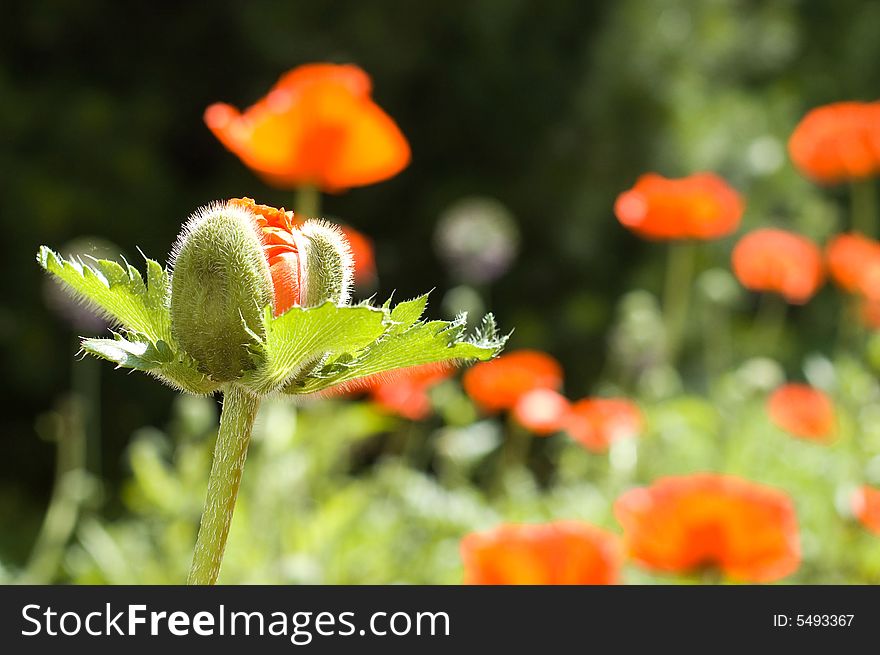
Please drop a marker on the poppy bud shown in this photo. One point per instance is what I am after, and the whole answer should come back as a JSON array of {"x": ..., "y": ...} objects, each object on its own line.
[
  {"x": 220, "y": 285},
  {"x": 326, "y": 264}
]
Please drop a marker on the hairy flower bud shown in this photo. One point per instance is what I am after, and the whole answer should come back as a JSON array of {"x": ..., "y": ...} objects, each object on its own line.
[
  {"x": 220, "y": 285},
  {"x": 234, "y": 259},
  {"x": 310, "y": 262},
  {"x": 327, "y": 263}
]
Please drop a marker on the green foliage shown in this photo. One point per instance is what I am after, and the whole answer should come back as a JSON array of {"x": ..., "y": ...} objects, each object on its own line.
[{"x": 304, "y": 350}]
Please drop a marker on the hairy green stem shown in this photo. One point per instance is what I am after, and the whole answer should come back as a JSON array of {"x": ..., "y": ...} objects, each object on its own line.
[
  {"x": 677, "y": 294},
  {"x": 307, "y": 202},
  {"x": 236, "y": 424},
  {"x": 863, "y": 207}
]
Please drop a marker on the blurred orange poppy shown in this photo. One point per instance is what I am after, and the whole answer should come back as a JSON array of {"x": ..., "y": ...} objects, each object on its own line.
[
  {"x": 854, "y": 264},
  {"x": 680, "y": 524},
  {"x": 317, "y": 126},
  {"x": 781, "y": 262},
  {"x": 541, "y": 411},
  {"x": 559, "y": 553},
  {"x": 802, "y": 410},
  {"x": 406, "y": 392},
  {"x": 866, "y": 507},
  {"x": 838, "y": 142},
  {"x": 498, "y": 384},
  {"x": 869, "y": 312},
  {"x": 596, "y": 422},
  {"x": 853, "y": 260},
  {"x": 701, "y": 206}
]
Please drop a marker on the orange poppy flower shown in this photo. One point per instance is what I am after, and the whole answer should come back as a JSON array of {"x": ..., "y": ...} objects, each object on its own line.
[
  {"x": 280, "y": 234},
  {"x": 854, "y": 264},
  {"x": 854, "y": 261},
  {"x": 541, "y": 411},
  {"x": 317, "y": 126},
  {"x": 680, "y": 524},
  {"x": 498, "y": 384},
  {"x": 838, "y": 142},
  {"x": 802, "y": 410},
  {"x": 282, "y": 244},
  {"x": 596, "y": 422},
  {"x": 559, "y": 553},
  {"x": 866, "y": 507},
  {"x": 701, "y": 206},
  {"x": 780, "y": 262},
  {"x": 406, "y": 393},
  {"x": 869, "y": 312}
]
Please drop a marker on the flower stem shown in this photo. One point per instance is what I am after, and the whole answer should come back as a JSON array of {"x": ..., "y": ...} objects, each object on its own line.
[
  {"x": 863, "y": 207},
  {"x": 307, "y": 202},
  {"x": 67, "y": 495},
  {"x": 236, "y": 424},
  {"x": 677, "y": 294},
  {"x": 770, "y": 319}
]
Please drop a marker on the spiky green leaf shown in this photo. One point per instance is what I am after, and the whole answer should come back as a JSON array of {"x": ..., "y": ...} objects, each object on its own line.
[
  {"x": 416, "y": 344},
  {"x": 116, "y": 291},
  {"x": 302, "y": 337},
  {"x": 159, "y": 359}
]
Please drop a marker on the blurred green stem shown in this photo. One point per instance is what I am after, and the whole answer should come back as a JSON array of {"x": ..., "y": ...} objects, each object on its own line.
[
  {"x": 307, "y": 202},
  {"x": 770, "y": 320},
  {"x": 863, "y": 207},
  {"x": 514, "y": 451},
  {"x": 716, "y": 345},
  {"x": 677, "y": 294},
  {"x": 236, "y": 424},
  {"x": 67, "y": 493},
  {"x": 86, "y": 384}
]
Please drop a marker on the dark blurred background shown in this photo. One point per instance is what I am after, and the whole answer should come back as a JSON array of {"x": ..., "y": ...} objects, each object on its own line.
[{"x": 552, "y": 108}]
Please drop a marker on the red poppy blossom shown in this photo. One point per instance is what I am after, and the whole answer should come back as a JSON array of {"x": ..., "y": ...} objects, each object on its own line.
[
  {"x": 596, "y": 422},
  {"x": 701, "y": 206},
  {"x": 317, "y": 126},
  {"x": 406, "y": 393},
  {"x": 498, "y": 384},
  {"x": 869, "y": 313},
  {"x": 282, "y": 245},
  {"x": 780, "y": 262},
  {"x": 680, "y": 524},
  {"x": 802, "y": 410},
  {"x": 838, "y": 142},
  {"x": 854, "y": 264},
  {"x": 541, "y": 411},
  {"x": 559, "y": 553},
  {"x": 279, "y": 229},
  {"x": 866, "y": 507}
]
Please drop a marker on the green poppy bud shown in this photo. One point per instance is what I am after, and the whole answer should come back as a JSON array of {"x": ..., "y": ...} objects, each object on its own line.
[
  {"x": 219, "y": 288},
  {"x": 327, "y": 263}
]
